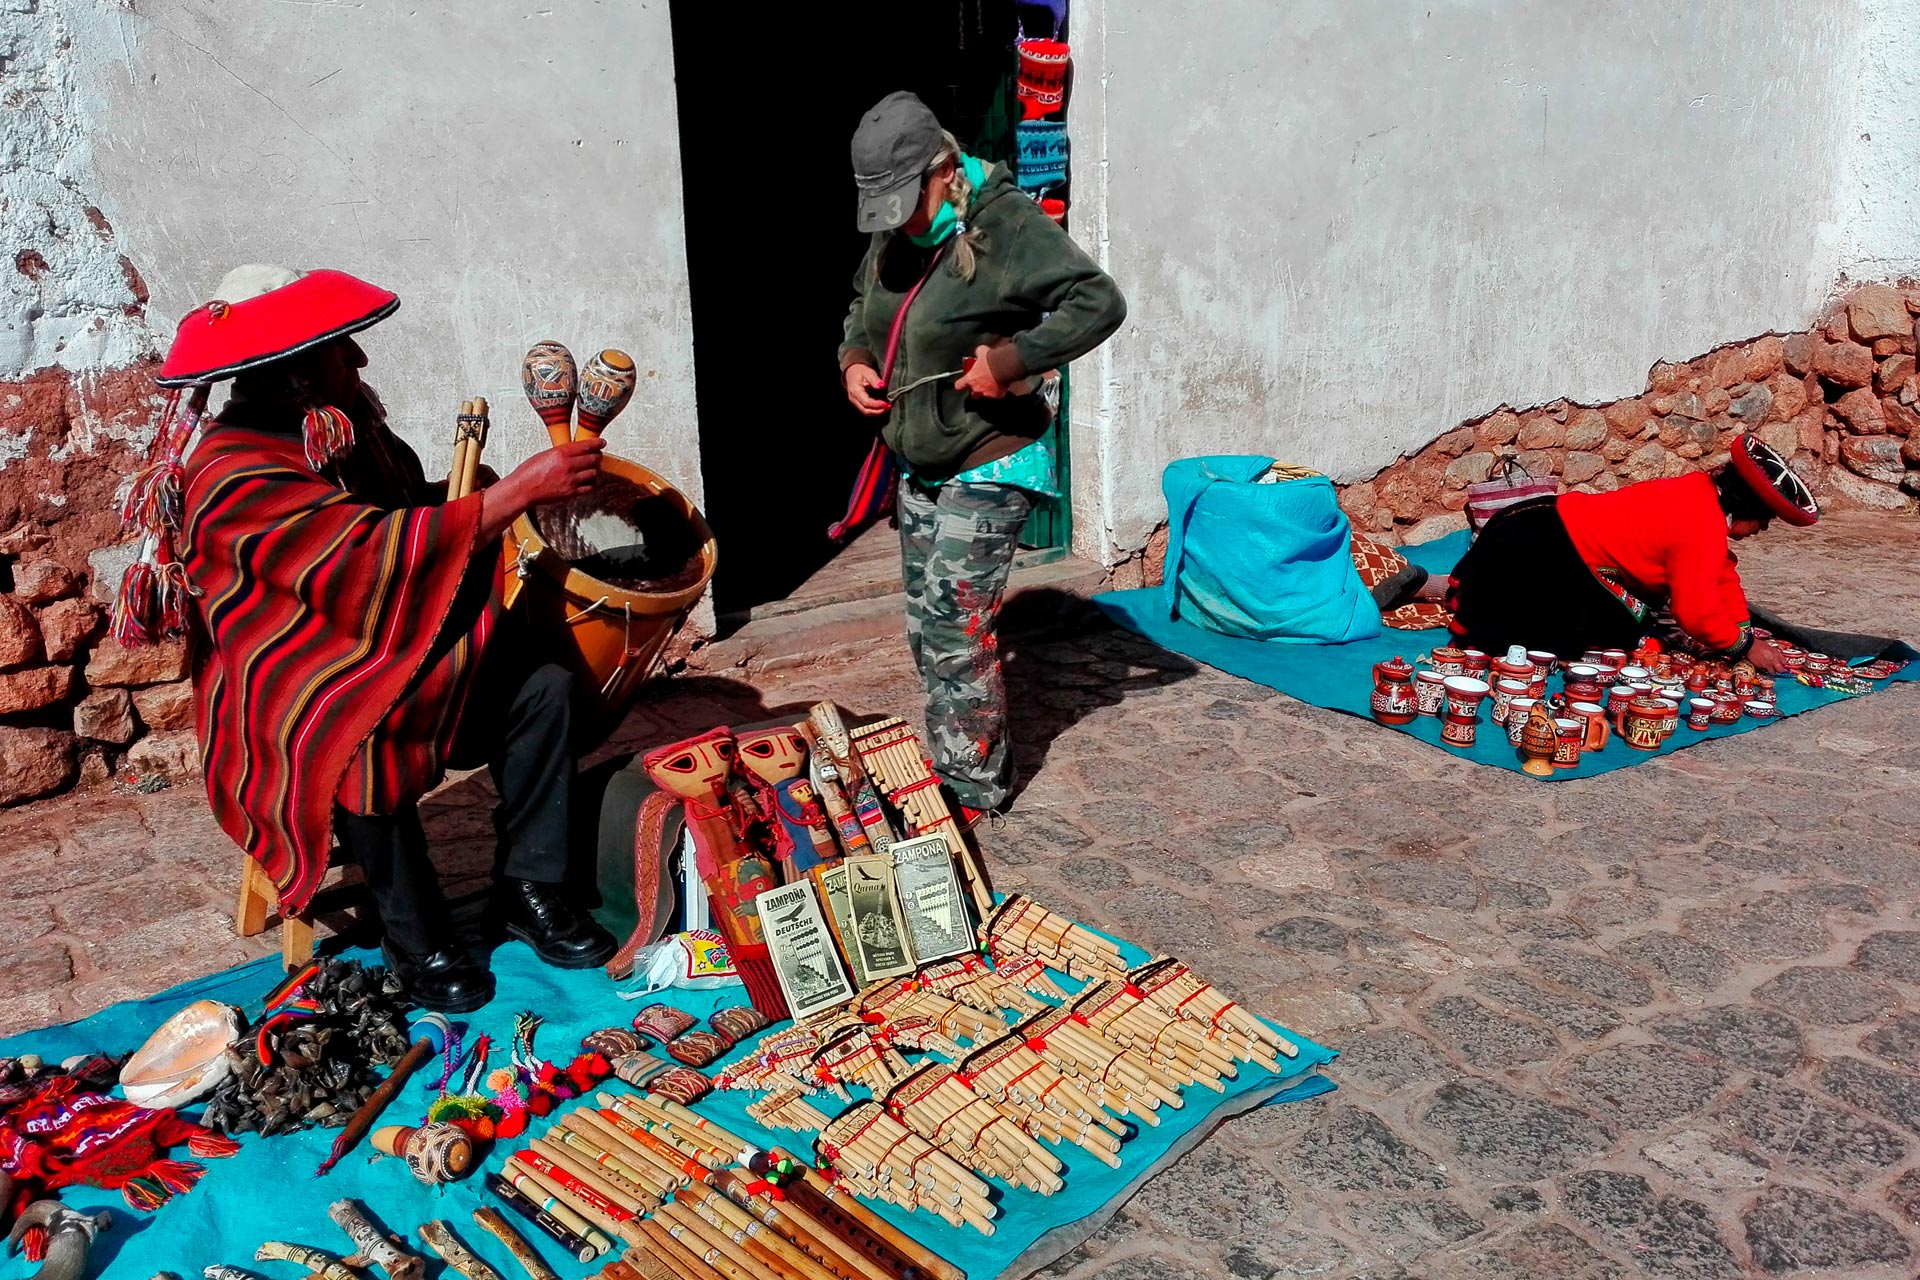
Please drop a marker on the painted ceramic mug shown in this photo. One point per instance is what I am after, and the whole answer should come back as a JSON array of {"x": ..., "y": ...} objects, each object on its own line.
[
  {"x": 1594, "y": 717},
  {"x": 1699, "y": 712},
  {"x": 1568, "y": 735},
  {"x": 1644, "y": 725},
  {"x": 1429, "y": 693},
  {"x": 1475, "y": 663},
  {"x": 1458, "y": 730},
  {"x": 1504, "y": 692},
  {"x": 1517, "y": 712},
  {"x": 1449, "y": 661},
  {"x": 1761, "y": 709}
]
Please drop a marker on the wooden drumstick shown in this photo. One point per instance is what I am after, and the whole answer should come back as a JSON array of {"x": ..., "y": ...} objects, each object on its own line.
[{"x": 490, "y": 1221}]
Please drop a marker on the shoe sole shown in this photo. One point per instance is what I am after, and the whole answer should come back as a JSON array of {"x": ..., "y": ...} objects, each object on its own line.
[
  {"x": 457, "y": 1006},
  {"x": 593, "y": 961}
]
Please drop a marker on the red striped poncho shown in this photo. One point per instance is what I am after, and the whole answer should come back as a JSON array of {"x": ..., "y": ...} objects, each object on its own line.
[{"x": 344, "y": 626}]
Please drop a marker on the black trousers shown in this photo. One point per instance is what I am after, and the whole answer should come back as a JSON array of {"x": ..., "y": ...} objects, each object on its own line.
[
  {"x": 520, "y": 721},
  {"x": 1523, "y": 582}
]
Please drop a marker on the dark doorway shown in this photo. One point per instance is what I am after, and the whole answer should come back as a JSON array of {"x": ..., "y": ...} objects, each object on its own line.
[{"x": 768, "y": 100}]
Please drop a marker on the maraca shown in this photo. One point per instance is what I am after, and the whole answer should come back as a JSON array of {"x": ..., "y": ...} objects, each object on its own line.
[
  {"x": 606, "y": 384},
  {"x": 551, "y": 382},
  {"x": 435, "y": 1153}
]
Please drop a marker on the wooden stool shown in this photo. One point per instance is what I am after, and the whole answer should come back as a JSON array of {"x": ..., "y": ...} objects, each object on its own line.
[{"x": 258, "y": 900}]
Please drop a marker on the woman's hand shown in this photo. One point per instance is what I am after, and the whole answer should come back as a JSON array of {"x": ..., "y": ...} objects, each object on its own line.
[
  {"x": 552, "y": 475},
  {"x": 1765, "y": 656},
  {"x": 861, "y": 381},
  {"x": 978, "y": 380}
]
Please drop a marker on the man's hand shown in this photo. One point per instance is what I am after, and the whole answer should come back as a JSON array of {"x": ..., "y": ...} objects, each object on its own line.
[
  {"x": 552, "y": 475},
  {"x": 1766, "y": 656},
  {"x": 978, "y": 380},
  {"x": 861, "y": 381}
]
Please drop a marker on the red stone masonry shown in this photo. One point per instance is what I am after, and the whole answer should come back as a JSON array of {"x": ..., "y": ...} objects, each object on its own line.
[{"x": 1839, "y": 400}]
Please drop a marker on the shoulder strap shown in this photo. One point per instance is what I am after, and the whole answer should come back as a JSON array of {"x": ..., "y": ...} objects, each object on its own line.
[{"x": 900, "y": 316}]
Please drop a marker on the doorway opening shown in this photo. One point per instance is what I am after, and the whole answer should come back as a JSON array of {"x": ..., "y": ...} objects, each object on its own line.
[{"x": 765, "y": 122}]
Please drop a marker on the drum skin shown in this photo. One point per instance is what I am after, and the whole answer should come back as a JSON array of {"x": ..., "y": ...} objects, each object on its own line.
[{"x": 611, "y": 636}]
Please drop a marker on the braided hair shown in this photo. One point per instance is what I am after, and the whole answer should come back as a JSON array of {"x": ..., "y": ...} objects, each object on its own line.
[{"x": 1737, "y": 497}]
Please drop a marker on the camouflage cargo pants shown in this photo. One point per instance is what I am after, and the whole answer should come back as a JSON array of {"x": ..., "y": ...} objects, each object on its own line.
[{"x": 956, "y": 550}]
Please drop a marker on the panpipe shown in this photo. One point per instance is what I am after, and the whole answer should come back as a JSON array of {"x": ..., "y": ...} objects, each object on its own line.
[
  {"x": 1027, "y": 973},
  {"x": 1021, "y": 926},
  {"x": 891, "y": 753},
  {"x": 921, "y": 1034},
  {"x": 896, "y": 999},
  {"x": 971, "y": 982},
  {"x": 856, "y": 1056},
  {"x": 880, "y": 1158},
  {"x": 940, "y": 1107},
  {"x": 1118, "y": 1013},
  {"x": 830, "y": 734},
  {"x": 788, "y": 1108},
  {"x": 1171, "y": 986},
  {"x": 469, "y": 438},
  {"x": 782, "y": 1059},
  {"x": 1012, "y": 1072},
  {"x": 1122, "y": 1081}
]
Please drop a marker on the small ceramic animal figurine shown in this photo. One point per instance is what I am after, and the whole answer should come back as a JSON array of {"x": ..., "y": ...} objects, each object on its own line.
[{"x": 1538, "y": 739}]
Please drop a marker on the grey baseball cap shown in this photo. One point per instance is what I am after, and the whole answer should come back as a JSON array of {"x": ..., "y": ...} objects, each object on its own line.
[{"x": 895, "y": 142}]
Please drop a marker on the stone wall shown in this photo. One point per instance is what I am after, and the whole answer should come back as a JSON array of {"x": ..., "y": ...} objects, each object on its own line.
[{"x": 1838, "y": 399}]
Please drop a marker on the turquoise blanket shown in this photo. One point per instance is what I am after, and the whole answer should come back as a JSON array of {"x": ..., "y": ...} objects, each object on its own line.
[
  {"x": 1340, "y": 676},
  {"x": 1267, "y": 562},
  {"x": 268, "y": 1190}
]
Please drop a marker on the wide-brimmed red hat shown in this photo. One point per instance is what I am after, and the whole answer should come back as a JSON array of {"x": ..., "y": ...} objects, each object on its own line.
[
  {"x": 268, "y": 314},
  {"x": 1773, "y": 481}
]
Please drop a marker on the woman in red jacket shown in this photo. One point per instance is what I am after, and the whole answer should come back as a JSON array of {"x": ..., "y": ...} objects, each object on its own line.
[{"x": 1587, "y": 570}]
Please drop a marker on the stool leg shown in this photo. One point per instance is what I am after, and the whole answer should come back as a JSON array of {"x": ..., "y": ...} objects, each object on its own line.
[
  {"x": 296, "y": 942},
  {"x": 257, "y": 897}
]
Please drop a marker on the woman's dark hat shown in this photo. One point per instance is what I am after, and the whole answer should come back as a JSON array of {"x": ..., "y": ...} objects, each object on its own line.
[
  {"x": 892, "y": 148},
  {"x": 262, "y": 313},
  {"x": 1766, "y": 473}
]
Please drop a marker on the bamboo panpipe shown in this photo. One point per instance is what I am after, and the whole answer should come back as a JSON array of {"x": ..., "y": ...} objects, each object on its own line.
[
  {"x": 575, "y": 1234},
  {"x": 1173, "y": 988},
  {"x": 940, "y": 1107},
  {"x": 1116, "y": 1013},
  {"x": 781, "y": 1059},
  {"x": 856, "y": 1057},
  {"x": 1021, "y": 926},
  {"x": 922, "y": 1034},
  {"x": 1025, "y": 972},
  {"x": 490, "y": 1221},
  {"x": 891, "y": 999},
  {"x": 469, "y": 438},
  {"x": 788, "y": 1109},
  {"x": 1017, "y": 1077},
  {"x": 1123, "y": 1085},
  {"x": 969, "y": 981},
  {"x": 439, "y": 1237},
  {"x": 892, "y": 754},
  {"x": 877, "y": 1151}
]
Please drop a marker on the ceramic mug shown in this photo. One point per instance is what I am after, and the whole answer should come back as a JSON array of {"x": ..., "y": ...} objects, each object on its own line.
[
  {"x": 1475, "y": 663},
  {"x": 1504, "y": 692},
  {"x": 1517, "y": 712},
  {"x": 1568, "y": 736},
  {"x": 1583, "y": 682},
  {"x": 1699, "y": 712},
  {"x": 1635, "y": 675},
  {"x": 1429, "y": 692},
  {"x": 1449, "y": 661},
  {"x": 1464, "y": 696},
  {"x": 1542, "y": 663},
  {"x": 1594, "y": 716}
]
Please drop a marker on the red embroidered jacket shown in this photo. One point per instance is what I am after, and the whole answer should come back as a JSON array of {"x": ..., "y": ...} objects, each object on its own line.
[{"x": 1665, "y": 539}]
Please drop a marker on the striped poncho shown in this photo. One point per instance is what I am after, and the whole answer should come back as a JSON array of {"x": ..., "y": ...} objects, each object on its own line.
[{"x": 343, "y": 629}]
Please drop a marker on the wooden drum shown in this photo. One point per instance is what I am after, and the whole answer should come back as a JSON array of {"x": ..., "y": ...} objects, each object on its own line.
[{"x": 604, "y": 581}]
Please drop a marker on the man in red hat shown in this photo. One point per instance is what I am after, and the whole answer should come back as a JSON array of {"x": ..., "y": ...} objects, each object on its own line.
[
  {"x": 1586, "y": 570},
  {"x": 355, "y": 648}
]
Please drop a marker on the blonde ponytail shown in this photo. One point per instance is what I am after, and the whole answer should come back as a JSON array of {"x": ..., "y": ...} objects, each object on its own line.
[{"x": 960, "y": 196}]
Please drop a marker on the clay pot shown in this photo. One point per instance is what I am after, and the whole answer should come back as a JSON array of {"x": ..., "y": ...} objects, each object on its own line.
[
  {"x": 1726, "y": 710},
  {"x": 1643, "y": 727},
  {"x": 1429, "y": 693},
  {"x": 1475, "y": 663},
  {"x": 1458, "y": 730},
  {"x": 1449, "y": 661},
  {"x": 1393, "y": 698},
  {"x": 1699, "y": 712},
  {"x": 1583, "y": 682}
]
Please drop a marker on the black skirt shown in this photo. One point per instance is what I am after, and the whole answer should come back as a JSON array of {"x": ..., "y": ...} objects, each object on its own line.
[{"x": 1523, "y": 582}]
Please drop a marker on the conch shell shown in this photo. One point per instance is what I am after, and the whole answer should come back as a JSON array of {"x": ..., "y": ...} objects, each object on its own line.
[{"x": 185, "y": 1058}]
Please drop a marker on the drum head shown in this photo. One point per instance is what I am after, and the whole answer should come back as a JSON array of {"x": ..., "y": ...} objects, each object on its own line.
[{"x": 625, "y": 535}]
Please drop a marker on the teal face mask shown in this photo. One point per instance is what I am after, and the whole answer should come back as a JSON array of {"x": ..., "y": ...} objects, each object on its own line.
[{"x": 946, "y": 221}]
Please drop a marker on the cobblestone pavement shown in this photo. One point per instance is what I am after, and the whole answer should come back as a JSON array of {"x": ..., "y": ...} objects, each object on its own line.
[{"x": 1664, "y": 1022}]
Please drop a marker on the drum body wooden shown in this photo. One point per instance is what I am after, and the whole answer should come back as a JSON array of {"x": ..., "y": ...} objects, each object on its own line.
[{"x": 610, "y": 629}]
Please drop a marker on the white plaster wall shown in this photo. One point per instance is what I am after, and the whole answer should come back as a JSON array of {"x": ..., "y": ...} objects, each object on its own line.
[
  {"x": 1344, "y": 227},
  {"x": 510, "y": 168}
]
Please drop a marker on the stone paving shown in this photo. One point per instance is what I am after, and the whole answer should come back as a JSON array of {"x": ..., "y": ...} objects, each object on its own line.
[{"x": 1664, "y": 1022}]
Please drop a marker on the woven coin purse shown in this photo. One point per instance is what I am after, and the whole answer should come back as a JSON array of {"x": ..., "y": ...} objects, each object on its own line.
[
  {"x": 699, "y": 1048},
  {"x": 684, "y": 1085},
  {"x": 737, "y": 1022},
  {"x": 663, "y": 1022}
]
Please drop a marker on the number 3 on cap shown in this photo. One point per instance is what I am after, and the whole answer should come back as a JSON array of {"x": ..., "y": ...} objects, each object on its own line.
[{"x": 893, "y": 207}]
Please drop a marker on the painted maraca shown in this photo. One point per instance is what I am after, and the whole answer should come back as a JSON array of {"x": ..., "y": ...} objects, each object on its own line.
[
  {"x": 435, "y": 1153},
  {"x": 606, "y": 384},
  {"x": 551, "y": 382}
]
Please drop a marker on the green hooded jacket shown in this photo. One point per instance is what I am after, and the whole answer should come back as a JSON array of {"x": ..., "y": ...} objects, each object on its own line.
[{"x": 1035, "y": 297}]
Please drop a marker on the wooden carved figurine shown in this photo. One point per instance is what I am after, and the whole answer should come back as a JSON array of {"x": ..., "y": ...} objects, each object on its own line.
[
  {"x": 772, "y": 762},
  {"x": 1538, "y": 738}
]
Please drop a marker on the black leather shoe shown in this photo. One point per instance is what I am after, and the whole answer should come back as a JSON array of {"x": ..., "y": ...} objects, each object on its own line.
[
  {"x": 540, "y": 916},
  {"x": 445, "y": 981}
]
